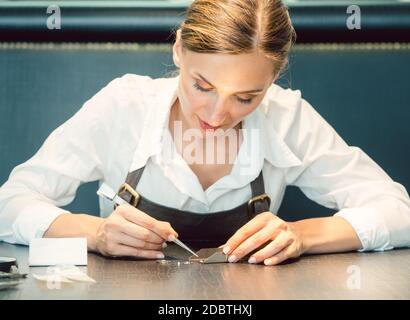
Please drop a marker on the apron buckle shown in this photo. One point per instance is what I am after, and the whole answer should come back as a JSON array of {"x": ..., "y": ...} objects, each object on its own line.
[
  {"x": 133, "y": 195},
  {"x": 262, "y": 198}
]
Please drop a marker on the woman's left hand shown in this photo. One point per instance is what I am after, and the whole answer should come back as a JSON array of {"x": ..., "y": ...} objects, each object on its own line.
[{"x": 282, "y": 239}]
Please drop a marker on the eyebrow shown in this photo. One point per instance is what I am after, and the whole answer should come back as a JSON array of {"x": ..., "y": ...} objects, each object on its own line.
[{"x": 248, "y": 91}]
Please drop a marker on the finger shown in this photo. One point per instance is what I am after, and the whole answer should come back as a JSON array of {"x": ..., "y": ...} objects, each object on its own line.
[
  {"x": 249, "y": 229},
  {"x": 278, "y": 244},
  {"x": 161, "y": 228},
  {"x": 285, "y": 254},
  {"x": 125, "y": 239},
  {"x": 253, "y": 242},
  {"x": 243, "y": 233},
  {"x": 139, "y": 232},
  {"x": 123, "y": 250}
]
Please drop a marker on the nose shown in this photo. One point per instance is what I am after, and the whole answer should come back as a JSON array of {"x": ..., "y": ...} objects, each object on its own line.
[{"x": 218, "y": 113}]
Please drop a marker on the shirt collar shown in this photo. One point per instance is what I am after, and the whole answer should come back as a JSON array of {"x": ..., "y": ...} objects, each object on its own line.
[
  {"x": 259, "y": 144},
  {"x": 156, "y": 120},
  {"x": 274, "y": 148}
]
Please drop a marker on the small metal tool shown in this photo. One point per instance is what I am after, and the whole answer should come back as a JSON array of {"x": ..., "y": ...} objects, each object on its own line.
[
  {"x": 209, "y": 255},
  {"x": 108, "y": 193},
  {"x": 184, "y": 246}
]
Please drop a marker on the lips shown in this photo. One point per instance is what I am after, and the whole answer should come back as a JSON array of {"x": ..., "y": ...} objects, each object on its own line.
[{"x": 206, "y": 126}]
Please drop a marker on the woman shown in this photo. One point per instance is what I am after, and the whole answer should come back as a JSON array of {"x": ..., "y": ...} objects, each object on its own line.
[{"x": 206, "y": 156}]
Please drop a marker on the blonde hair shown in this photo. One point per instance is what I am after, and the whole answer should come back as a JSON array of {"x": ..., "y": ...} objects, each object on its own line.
[{"x": 239, "y": 26}]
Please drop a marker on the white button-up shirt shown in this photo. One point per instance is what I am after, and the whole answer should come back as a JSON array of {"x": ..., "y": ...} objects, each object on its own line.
[{"x": 125, "y": 127}]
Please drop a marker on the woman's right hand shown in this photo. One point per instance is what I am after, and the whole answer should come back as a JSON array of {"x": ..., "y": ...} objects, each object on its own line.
[{"x": 130, "y": 232}]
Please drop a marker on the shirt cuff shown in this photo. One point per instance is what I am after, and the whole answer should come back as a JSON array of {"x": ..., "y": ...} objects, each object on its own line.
[
  {"x": 34, "y": 220},
  {"x": 369, "y": 226}
]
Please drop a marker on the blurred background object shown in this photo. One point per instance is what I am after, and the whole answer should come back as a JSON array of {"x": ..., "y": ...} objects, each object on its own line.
[
  {"x": 151, "y": 21},
  {"x": 357, "y": 79}
]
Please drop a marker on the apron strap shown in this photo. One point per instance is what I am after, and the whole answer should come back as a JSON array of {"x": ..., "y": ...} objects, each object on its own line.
[
  {"x": 259, "y": 203},
  {"x": 128, "y": 191}
]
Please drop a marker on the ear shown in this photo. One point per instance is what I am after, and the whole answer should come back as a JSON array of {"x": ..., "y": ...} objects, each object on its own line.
[{"x": 177, "y": 49}]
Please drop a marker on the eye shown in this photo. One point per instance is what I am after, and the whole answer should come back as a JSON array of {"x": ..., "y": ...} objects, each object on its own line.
[
  {"x": 245, "y": 101},
  {"x": 198, "y": 87}
]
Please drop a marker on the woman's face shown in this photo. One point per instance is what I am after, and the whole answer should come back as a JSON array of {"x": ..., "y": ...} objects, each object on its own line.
[{"x": 219, "y": 90}]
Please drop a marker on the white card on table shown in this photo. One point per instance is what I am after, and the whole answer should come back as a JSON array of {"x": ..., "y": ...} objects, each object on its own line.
[{"x": 54, "y": 251}]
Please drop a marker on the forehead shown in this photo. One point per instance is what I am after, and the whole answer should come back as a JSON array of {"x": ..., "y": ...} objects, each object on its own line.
[{"x": 233, "y": 72}]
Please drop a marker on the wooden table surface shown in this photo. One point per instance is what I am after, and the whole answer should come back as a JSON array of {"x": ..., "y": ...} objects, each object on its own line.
[{"x": 375, "y": 275}]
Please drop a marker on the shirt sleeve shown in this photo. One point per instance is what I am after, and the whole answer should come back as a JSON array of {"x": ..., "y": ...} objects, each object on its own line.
[
  {"x": 345, "y": 178},
  {"x": 72, "y": 154}
]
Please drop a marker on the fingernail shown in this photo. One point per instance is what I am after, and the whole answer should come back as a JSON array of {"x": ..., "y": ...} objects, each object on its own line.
[
  {"x": 160, "y": 256},
  {"x": 232, "y": 259},
  {"x": 226, "y": 250},
  {"x": 252, "y": 260},
  {"x": 268, "y": 262},
  {"x": 164, "y": 245},
  {"x": 171, "y": 238}
]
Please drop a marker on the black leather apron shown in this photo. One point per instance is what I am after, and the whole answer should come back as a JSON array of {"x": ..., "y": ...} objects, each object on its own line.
[{"x": 197, "y": 229}]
